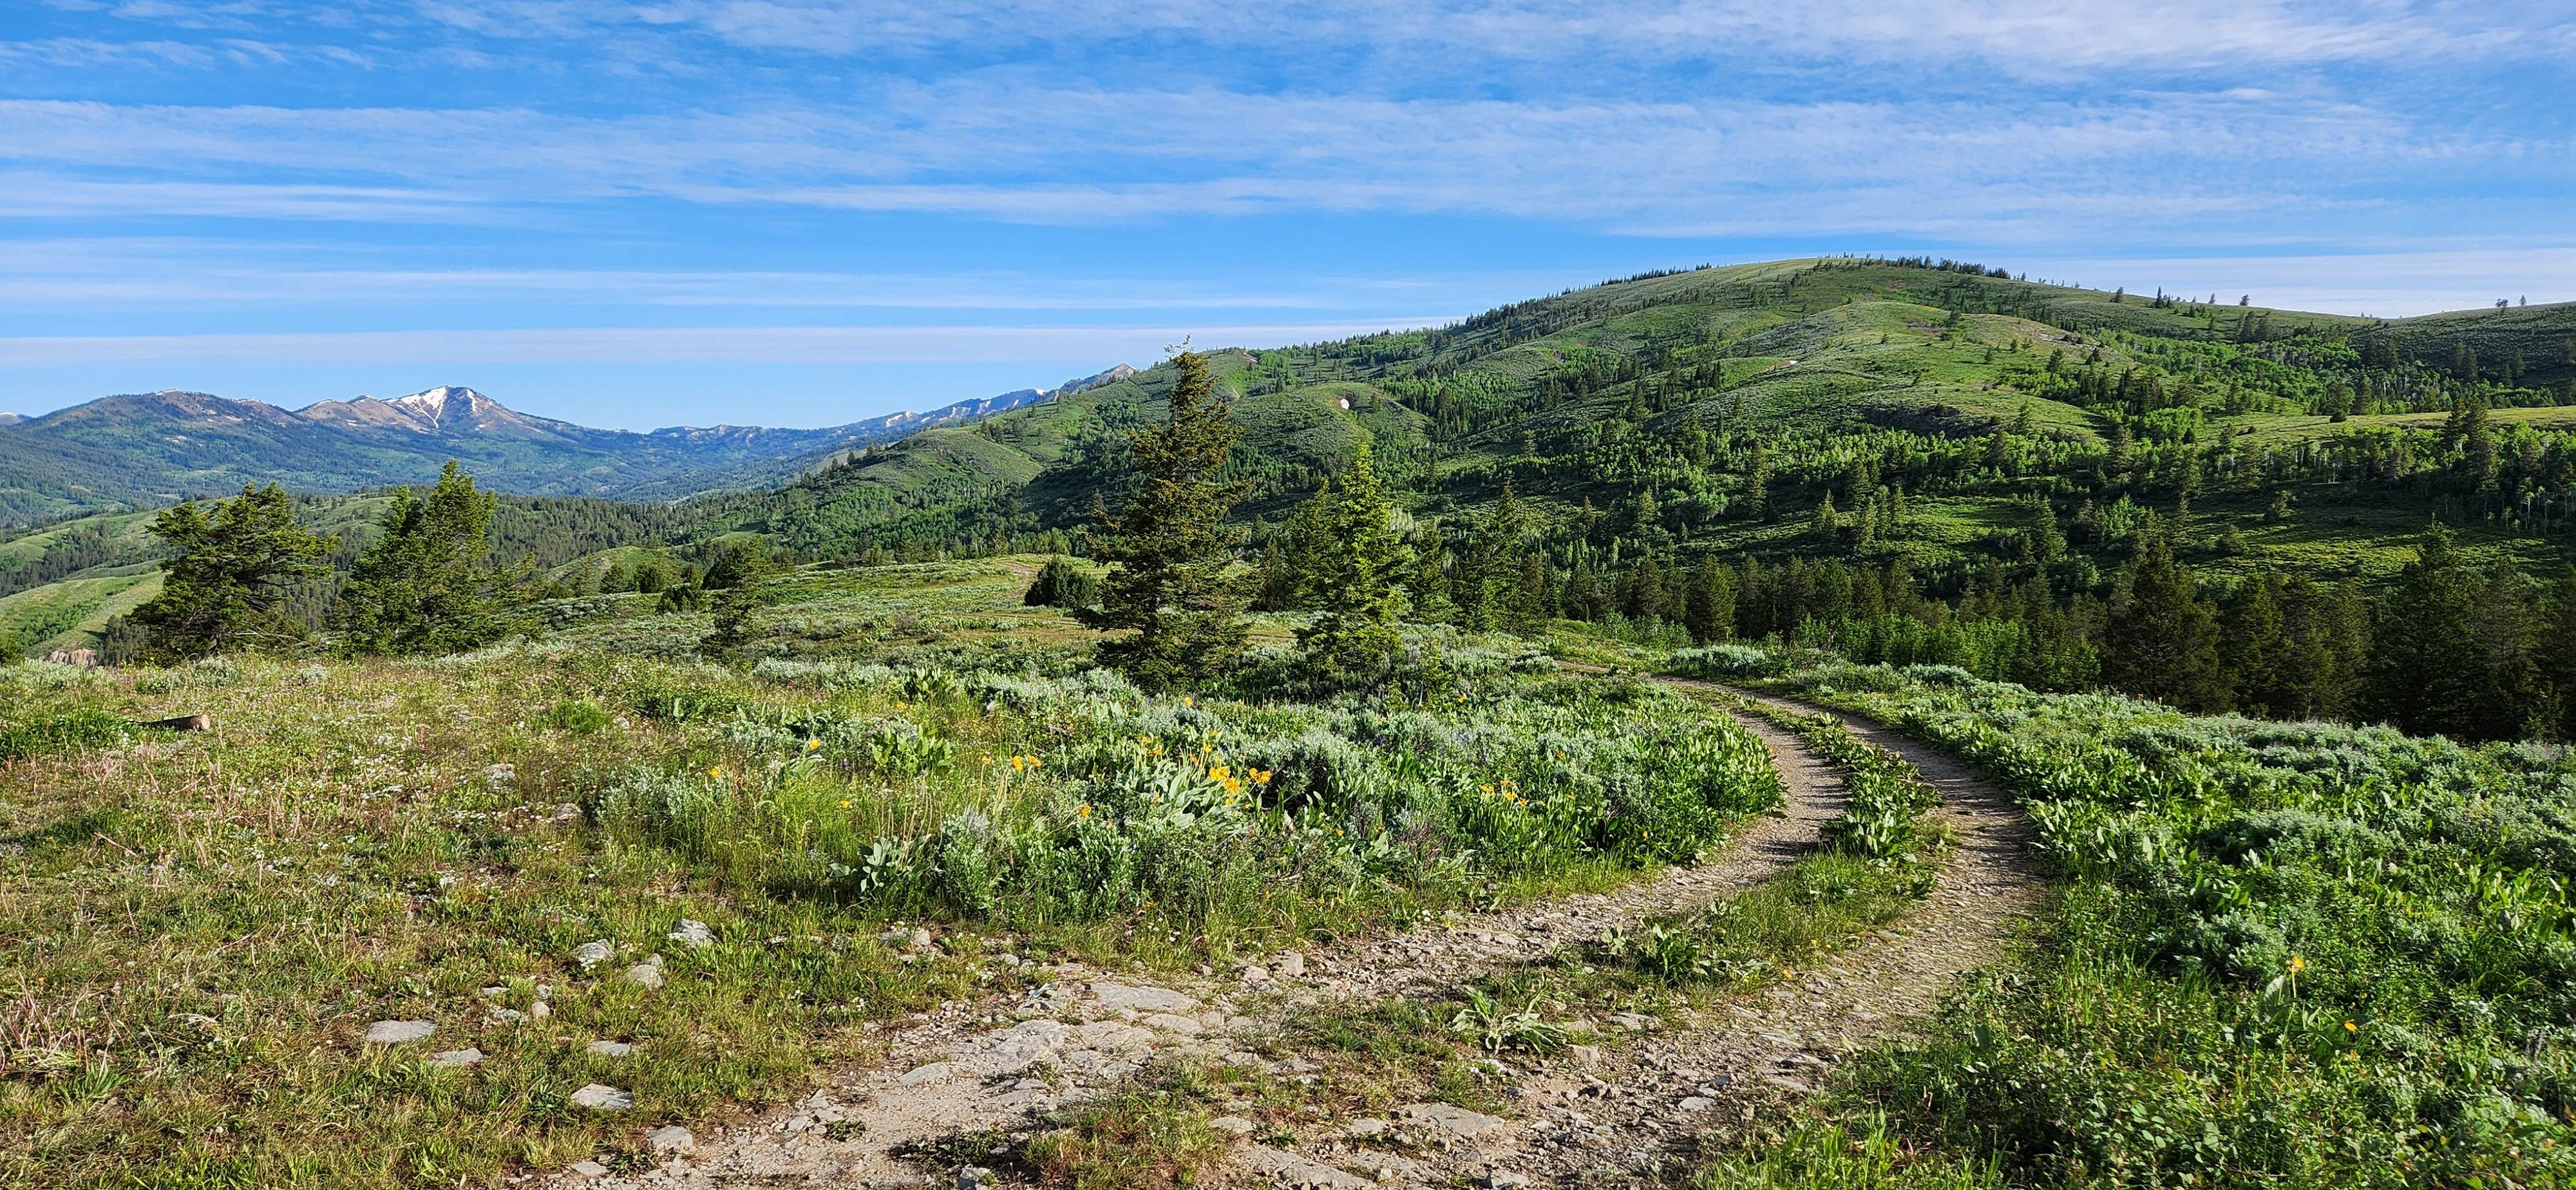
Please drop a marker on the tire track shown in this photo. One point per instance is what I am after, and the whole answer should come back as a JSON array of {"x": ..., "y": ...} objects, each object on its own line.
[{"x": 1000, "y": 1067}]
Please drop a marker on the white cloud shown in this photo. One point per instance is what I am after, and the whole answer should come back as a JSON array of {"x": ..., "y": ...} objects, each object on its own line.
[{"x": 631, "y": 345}]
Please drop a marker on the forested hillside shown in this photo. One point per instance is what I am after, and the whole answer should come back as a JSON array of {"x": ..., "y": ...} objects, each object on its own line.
[{"x": 1905, "y": 460}]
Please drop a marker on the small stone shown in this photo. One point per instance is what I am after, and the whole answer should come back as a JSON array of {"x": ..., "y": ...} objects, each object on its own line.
[
  {"x": 540, "y": 1011},
  {"x": 602, "y": 1097},
  {"x": 609, "y": 1049},
  {"x": 1584, "y": 1055},
  {"x": 565, "y": 814},
  {"x": 1365, "y": 1129},
  {"x": 592, "y": 953},
  {"x": 500, "y": 774},
  {"x": 505, "y": 1016},
  {"x": 670, "y": 1138},
  {"x": 1697, "y": 1103},
  {"x": 590, "y": 1169},
  {"x": 1291, "y": 965},
  {"x": 645, "y": 975},
  {"x": 495, "y": 992},
  {"x": 1232, "y": 1125},
  {"x": 936, "y": 1072},
  {"x": 1502, "y": 1179},
  {"x": 919, "y": 940},
  {"x": 1255, "y": 976},
  {"x": 693, "y": 934},
  {"x": 973, "y": 1177},
  {"x": 1169, "y": 1022},
  {"x": 398, "y": 1032},
  {"x": 455, "y": 1059}
]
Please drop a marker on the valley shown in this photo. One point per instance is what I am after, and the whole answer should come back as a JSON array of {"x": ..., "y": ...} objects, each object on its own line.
[{"x": 1813, "y": 724}]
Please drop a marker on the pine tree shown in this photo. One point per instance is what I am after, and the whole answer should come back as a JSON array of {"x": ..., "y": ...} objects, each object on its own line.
[
  {"x": 2160, "y": 639},
  {"x": 2427, "y": 673},
  {"x": 231, "y": 571},
  {"x": 422, "y": 586},
  {"x": 2500, "y": 623},
  {"x": 1356, "y": 564},
  {"x": 1171, "y": 547},
  {"x": 2255, "y": 657},
  {"x": 1711, "y": 617},
  {"x": 2555, "y": 655},
  {"x": 1064, "y": 583}
]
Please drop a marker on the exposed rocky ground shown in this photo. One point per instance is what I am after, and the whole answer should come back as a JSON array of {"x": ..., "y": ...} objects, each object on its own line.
[{"x": 986, "y": 1072}]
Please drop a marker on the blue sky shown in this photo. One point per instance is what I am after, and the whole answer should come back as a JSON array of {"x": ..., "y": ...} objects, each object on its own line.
[{"x": 801, "y": 212}]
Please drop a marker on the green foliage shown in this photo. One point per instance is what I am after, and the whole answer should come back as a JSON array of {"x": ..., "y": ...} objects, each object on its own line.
[
  {"x": 61, "y": 732},
  {"x": 423, "y": 586},
  {"x": 1064, "y": 583},
  {"x": 230, "y": 575},
  {"x": 2292, "y": 953},
  {"x": 1352, "y": 565},
  {"x": 1171, "y": 547}
]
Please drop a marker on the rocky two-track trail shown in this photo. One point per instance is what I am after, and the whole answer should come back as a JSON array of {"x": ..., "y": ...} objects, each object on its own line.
[
  {"x": 999, "y": 1066},
  {"x": 1630, "y": 1118}
]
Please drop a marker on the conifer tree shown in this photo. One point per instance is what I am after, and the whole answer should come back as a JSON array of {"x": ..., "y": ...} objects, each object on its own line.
[
  {"x": 1355, "y": 564},
  {"x": 1711, "y": 617},
  {"x": 2161, "y": 638},
  {"x": 230, "y": 574},
  {"x": 1171, "y": 547},
  {"x": 422, "y": 586},
  {"x": 2251, "y": 626},
  {"x": 2427, "y": 673}
]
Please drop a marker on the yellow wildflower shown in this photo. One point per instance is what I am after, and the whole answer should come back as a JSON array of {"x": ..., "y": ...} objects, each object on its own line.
[
  {"x": 1083, "y": 810},
  {"x": 813, "y": 745},
  {"x": 2297, "y": 964},
  {"x": 2349, "y": 1027},
  {"x": 1261, "y": 776},
  {"x": 1218, "y": 773},
  {"x": 715, "y": 774},
  {"x": 1187, "y": 701}
]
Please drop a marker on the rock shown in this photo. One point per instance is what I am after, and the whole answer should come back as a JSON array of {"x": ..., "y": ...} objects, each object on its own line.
[
  {"x": 1169, "y": 1022},
  {"x": 693, "y": 934},
  {"x": 565, "y": 814},
  {"x": 1448, "y": 1118},
  {"x": 540, "y": 1011},
  {"x": 973, "y": 1177},
  {"x": 1584, "y": 1055},
  {"x": 1697, "y": 1103},
  {"x": 609, "y": 1049},
  {"x": 1365, "y": 1129},
  {"x": 1291, "y": 965},
  {"x": 670, "y": 1138},
  {"x": 1109, "y": 1035},
  {"x": 936, "y": 1072},
  {"x": 590, "y": 1169},
  {"x": 1289, "y": 1169},
  {"x": 1634, "y": 1022},
  {"x": 456, "y": 1059},
  {"x": 601, "y": 1097},
  {"x": 1255, "y": 976},
  {"x": 645, "y": 974},
  {"x": 495, "y": 992},
  {"x": 918, "y": 940},
  {"x": 505, "y": 1016},
  {"x": 1115, "y": 996},
  {"x": 1235, "y": 1126},
  {"x": 1501, "y": 1179},
  {"x": 398, "y": 1032},
  {"x": 500, "y": 774},
  {"x": 592, "y": 953}
]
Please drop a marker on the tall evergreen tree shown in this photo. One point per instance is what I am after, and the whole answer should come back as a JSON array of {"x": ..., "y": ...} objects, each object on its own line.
[
  {"x": 422, "y": 586},
  {"x": 1355, "y": 565},
  {"x": 231, "y": 572},
  {"x": 1170, "y": 544},
  {"x": 2427, "y": 671},
  {"x": 1712, "y": 601},
  {"x": 2161, "y": 637}
]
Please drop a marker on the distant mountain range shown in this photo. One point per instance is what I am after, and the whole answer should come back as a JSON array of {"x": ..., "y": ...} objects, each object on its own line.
[{"x": 146, "y": 449}]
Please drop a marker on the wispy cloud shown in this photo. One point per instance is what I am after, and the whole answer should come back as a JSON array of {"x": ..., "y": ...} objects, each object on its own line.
[{"x": 630, "y": 345}]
